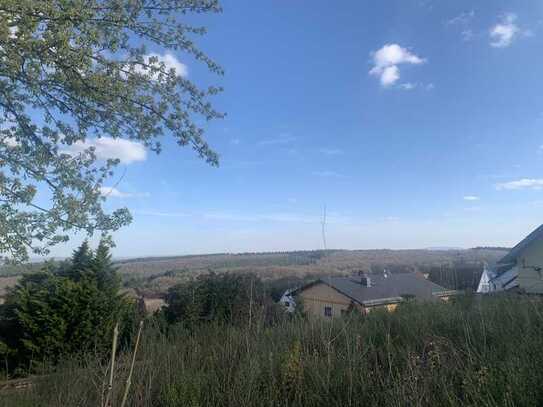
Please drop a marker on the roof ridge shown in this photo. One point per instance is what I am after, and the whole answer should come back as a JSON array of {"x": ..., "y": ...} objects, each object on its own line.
[{"x": 514, "y": 252}]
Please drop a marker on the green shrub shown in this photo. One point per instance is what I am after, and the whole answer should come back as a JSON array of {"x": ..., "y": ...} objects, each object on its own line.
[
  {"x": 64, "y": 310},
  {"x": 228, "y": 297}
]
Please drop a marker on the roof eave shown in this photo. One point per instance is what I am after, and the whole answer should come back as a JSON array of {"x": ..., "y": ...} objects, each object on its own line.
[
  {"x": 382, "y": 301},
  {"x": 445, "y": 293}
]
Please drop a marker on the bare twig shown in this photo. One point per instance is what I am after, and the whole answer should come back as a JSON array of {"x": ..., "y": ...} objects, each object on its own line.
[
  {"x": 112, "y": 366},
  {"x": 129, "y": 379}
]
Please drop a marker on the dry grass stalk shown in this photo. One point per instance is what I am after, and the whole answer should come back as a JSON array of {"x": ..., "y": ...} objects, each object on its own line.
[
  {"x": 129, "y": 379},
  {"x": 112, "y": 365}
]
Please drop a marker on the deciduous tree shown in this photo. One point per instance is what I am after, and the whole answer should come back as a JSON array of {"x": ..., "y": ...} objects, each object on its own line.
[{"x": 72, "y": 72}]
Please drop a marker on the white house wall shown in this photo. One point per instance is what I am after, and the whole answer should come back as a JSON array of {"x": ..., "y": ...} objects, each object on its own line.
[
  {"x": 530, "y": 264},
  {"x": 484, "y": 284}
]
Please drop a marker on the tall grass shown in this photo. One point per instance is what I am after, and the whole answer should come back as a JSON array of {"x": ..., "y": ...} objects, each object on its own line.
[{"x": 480, "y": 352}]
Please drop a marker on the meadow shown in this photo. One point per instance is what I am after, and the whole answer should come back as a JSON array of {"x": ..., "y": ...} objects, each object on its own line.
[{"x": 479, "y": 351}]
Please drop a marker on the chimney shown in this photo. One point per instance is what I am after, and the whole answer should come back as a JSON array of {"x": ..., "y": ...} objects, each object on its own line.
[{"x": 364, "y": 279}]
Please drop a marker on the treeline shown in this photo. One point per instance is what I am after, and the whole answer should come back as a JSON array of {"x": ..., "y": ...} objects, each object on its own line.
[
  {"x": 11, "y": 270},
  {"x": 455, "y": 275},
  {"x": 296, "y": 253}
]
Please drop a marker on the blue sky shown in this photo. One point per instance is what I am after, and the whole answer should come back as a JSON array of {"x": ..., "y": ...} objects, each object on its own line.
[{"x": 417, "y": 123}]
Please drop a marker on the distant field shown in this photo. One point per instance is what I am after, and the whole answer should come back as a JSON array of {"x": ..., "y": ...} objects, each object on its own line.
[
  {"x": 157, "y": 274},
  {"x": 154, "y": 275}
]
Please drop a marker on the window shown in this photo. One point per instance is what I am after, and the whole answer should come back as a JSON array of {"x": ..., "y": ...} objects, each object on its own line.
[{"x": 327, "y": 311}]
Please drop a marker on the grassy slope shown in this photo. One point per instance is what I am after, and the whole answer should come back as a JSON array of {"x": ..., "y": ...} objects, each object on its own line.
[{"x": 473, "y": 352}]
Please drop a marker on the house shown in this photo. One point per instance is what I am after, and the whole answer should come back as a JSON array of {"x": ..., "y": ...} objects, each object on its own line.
[
  {"x": 288, "y": 301},
  {"x": 521, "y": 269},
  {"x": 484, "y": 282},
  {"x": 336, "y": 296}
]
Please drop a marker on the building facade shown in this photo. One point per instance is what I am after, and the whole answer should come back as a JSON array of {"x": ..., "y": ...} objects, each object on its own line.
[
  {"x": 521, "y": 269},
  {"x": 337, "y": 296}
]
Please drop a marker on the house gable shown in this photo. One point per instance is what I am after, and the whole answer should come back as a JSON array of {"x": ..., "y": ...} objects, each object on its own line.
[
  {"x": 320, "y": 299},
  {"x": 522, "y": 267},
  {"x": 522, "y": 246},
  {"x": 530, "y": 267}
]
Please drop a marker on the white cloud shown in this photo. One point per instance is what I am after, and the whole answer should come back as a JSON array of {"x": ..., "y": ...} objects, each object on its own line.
[
  {"x": 524, "y": 183},
  {"x": 416, "y": 85},
  {"x": 503, "y": 33},
  {"x": 467, "y": 34},
  {"x": 461, "y": 19},
  {"x": 235, "y": 141},
  {"x": 10, "y": 142},
  {"x": 13, "y": 32},
  {"x": 112, "y": 192},
  {"x": 390, "y": 75},
  {"x": 386, "y": 61},
  {"x": 408, "y": 86},
  {"x": 5, "y": 130},
  {"x": 331, "y": 151},
  {"x": 463, "y": 22},
  {"x": 471, "y": 198},
  {"x": 126, "y": 151},
  {"x": 170, "y": 62}
]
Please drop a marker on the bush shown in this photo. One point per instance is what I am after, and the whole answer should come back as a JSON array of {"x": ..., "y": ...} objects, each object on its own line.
[
  {"x": 64, "y": 310},
  {"x": 225, "y": 298}
]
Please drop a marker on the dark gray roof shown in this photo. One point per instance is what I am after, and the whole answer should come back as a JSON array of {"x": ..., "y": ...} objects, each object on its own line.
[
  {"x": 387, "y": 289},
  {"x": 512, "y": 256}
]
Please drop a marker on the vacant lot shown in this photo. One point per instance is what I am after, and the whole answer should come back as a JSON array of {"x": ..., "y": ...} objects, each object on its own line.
[{"x": 476, "y": 352}]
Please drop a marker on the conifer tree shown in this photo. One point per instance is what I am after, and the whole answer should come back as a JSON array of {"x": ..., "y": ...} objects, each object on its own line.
[
  {"x": 52, "y": 313},
  {"x": 82, "y": 257},
  {"x": 104, "y": 270}
]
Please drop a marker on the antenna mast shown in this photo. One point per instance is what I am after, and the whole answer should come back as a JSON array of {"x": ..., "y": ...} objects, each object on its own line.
[{"x": 323, "y": 224}]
